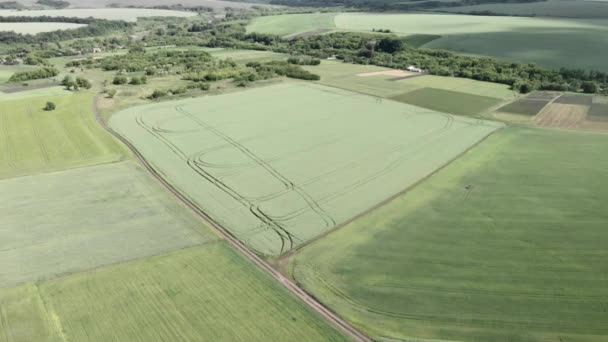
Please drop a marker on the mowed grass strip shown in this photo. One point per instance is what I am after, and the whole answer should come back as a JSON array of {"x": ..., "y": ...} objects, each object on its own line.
[
  {"x": 288, "y": 162},
  {"x": 63, "y": 222},
  {"x": 33, "y": 140},
  {"x": 505, "y": 244},
  {"x": 448, "y": 101},
  {"x": 205, "y": 293}
]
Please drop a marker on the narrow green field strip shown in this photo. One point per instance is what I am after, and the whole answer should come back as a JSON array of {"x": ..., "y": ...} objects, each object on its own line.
[
  {"x": 310, "y": 158},
  {"x": 506, "y": 243},
  {"x": 448, "y": 101},
  {"x": 50, "y": 223},
  {"x": 36, "y": 140},
  {"x": 203, "y": 293}
]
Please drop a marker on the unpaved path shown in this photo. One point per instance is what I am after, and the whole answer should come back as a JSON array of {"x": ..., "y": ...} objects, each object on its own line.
[{"x": 327, "y": 314}]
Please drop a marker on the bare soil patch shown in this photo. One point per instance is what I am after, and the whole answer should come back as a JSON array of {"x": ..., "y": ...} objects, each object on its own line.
[{"x": 562, "y": 115}]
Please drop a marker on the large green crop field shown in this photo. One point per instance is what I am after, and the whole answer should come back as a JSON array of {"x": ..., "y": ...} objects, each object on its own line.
[
  {"x": 507, "y": 243},
  {"x": 282, "y": 164},
  {"x": 292, "y": 24},
  {"x": 33, "y": 140},
  {"x": 202, "y": 293},
  {"x": 537, "y": 40},
  {"x": 550, "y": 8},
  {"x": 74, "y": 220}
]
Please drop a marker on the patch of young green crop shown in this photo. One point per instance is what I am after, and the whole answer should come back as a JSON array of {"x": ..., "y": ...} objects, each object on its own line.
[
  {"x": 448, "y": 101},
  {"x": 598, "y": 112},
  {"x": 292, "y": 24},
  {"x": 274, "y": 195},
  {"x": 204, "y": 293},
  {"x": 575, "y": 99},
  {"x": 33, "y": 140},
  {"x": 525, "y": 106},
  {"x": 79, "y": 219},
  {"x": 507, "y": 243}
]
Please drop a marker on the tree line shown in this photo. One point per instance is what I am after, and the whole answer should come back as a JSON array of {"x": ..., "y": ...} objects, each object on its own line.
[
  {"x": 393, "y": 52},
  {"x": 45, "y": 72}
]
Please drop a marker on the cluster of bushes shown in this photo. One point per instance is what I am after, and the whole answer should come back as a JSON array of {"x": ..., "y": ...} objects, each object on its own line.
[
  {"x": 160, "y": 93},
  {"x": 135, "y": 80},
  {"x": 71, "y": 83},
  {"x": 303, "y": 60},
  {"x": 381, "y": 30},
  {"x": 260, "y": 71},
  {"x": 41, "y": 73},
  {"x": 154, "y": 63}
]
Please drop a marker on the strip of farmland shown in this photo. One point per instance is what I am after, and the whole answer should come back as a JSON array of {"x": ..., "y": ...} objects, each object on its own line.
[{"x": 280, "y": 165}]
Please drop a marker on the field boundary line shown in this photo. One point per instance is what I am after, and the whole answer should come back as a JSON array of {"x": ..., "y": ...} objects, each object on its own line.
[
  {"x": 309, "y": 300},
  {"x": 294, "y": 251}
]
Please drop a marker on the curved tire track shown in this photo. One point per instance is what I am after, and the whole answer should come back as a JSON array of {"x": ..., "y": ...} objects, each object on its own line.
[{"x": 311, "y": 302}]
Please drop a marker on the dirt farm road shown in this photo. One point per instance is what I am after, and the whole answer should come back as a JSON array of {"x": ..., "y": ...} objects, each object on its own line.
[{"x": 311, "y": 302}]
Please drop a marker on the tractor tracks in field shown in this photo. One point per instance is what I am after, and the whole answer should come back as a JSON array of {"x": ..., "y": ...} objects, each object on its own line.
[{"x": 309, "y": 300}]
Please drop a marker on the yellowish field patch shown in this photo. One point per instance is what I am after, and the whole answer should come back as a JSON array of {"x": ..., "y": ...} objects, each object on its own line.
[{"x": 562, "y": 115}]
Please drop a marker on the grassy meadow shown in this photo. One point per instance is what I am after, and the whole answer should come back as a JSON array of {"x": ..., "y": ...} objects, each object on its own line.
[
  {"x": 33, "y": 140},
  {"x": 207, "y": 292},
  {"x": 507, "y": 243},
  {"x": 306, "y": 160}
]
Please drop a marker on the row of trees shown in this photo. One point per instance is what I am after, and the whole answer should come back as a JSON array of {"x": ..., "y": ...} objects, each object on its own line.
[{"x": 46, "y": 72}]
